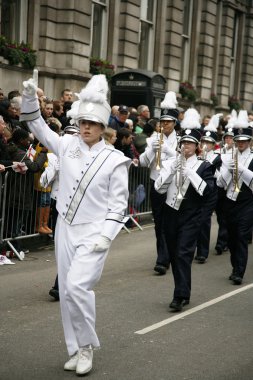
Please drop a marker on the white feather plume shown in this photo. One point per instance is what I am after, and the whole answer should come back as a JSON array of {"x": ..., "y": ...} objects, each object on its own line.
[
  {"x": 242, "y": 120},
  {"x": 191, "y": 119},
  {"x": 96, "y": 90},
  {"x": 72, "y": 113},
  {"x": 232, "y": 120},
  {"x": 170, "y": 100},
  {"x": 213, "y": 123}
]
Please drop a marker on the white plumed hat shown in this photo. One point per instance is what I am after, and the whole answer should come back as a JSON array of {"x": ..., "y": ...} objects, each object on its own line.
[
  {"x": 92, "y": 104},
  {"x": 169, "y": 109},
  {"x": 190, "y": 124},
  {"x": 191, "y": 119}
]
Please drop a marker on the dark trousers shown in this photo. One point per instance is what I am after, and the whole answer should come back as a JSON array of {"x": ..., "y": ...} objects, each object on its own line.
[
  {"x": 222, "y": 237},
  {"x": 157, "y": 205},
  {"x": 205, "y": 226},
  {"x": 239, "y": 217},
  {"x": 181, "y": 231}
]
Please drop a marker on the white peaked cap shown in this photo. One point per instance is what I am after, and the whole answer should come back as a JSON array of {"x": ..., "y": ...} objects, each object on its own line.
[
  {"x": 191, "y": 119},
  {"x": 92, "y": 104},
  {"x": 242, "y": 120},
  {"x": 170, "y": 100},
  {"x": 232, "y": 120},
  {"x": 213, "y": 123}
]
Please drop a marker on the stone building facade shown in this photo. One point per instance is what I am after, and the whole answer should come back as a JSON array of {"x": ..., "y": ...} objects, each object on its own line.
[{"x": 207, "y": 44}]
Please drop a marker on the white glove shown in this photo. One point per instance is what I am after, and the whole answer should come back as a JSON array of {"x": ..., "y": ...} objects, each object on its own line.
[
  {"x": 102, "y": 244},
  {"x": 31, "y": 85},
  {"x": 155, "y": 145},
  {"x": 241, "y": 168},
  {"x": 168, "y": 151},
  {"x": 187, "y": 171},
  {"x": 230, "y": 164},
  {"x": 176, "y": 165}
]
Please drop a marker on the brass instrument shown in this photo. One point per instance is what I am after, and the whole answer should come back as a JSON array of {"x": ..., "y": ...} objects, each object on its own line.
[
  {"x": 204, "y": 152},
  {"x": 159, "y": 151},
  {"x": 179, "y": 176},
  {"x": 235, "y": 170}
]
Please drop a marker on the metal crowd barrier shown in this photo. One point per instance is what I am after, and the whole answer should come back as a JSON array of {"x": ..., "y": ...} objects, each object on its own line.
[{"x": 19, "y": 199}]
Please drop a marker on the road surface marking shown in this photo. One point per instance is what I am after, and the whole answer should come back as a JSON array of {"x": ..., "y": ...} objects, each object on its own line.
[{"x": 193, "y": 310}]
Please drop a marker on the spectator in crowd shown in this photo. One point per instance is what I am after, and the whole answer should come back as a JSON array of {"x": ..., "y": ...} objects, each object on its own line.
[
  {"x": 12, "y": 94},
  {"x": 4, "y": 156},
  {"x": 110, "y": 136},
  {"x": 205, "y": 122},
  {"x": 124, "y": 143},
  {"x": 130, "y": 124},
  {"x": 20, "y": 195},
  {"x": 179, "y": 120},
  {"x": 120, "y": 119},
  {"x": 155, "y": 122},
  {"x": 140, "y": 140},
  {"x": 143, "y": 117},
  {"x": 47, "y": 109},
  {"x": 114, "y": 113},
  {"x": 66, "y": 95}
]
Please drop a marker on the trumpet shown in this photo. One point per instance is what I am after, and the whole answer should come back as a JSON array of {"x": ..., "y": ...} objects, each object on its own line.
[
  {"x": 179, "y": 176},
  {"x": 159, "y": 151},
  {"x": 235, "y": 170}
]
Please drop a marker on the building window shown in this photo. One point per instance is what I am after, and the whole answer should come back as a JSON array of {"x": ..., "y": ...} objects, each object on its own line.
[
  {"x": 186, "y": 39},
  {"x": 99, "y": 28},
  {"x": 146, "y": 34},
  {"x": 14, "y": 19}
]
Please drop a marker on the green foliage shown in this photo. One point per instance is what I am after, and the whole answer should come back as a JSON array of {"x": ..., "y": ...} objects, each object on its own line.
[
  {"x": 18, "y": 53},
  {"x": 101, "y": 66}
]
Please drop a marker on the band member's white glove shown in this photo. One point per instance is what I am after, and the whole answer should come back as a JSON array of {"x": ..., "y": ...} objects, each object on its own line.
[
  {"x": 31, "y": 85},
  {"x": 230, "y": 164},
  {"x": 102, "y": 244},
  {"x": 241, "y": 168},
  {"x": 168, "y": 151},
  {"x": 176, "y": 165},
  {"x": 155, "y": 145}
]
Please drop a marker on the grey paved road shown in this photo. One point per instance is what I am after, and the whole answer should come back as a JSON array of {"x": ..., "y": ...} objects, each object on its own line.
[{"x": 214, "y": 343}]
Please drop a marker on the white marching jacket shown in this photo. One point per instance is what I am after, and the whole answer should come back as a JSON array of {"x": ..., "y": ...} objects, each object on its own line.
[{"x": 93, "y": 182}]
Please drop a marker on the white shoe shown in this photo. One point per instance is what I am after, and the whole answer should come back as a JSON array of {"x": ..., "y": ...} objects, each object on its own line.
[
  {"x": 84, "y": 363},
  {"x": 70, "y": 365}
]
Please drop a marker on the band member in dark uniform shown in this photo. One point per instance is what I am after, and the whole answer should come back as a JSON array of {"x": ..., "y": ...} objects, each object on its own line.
[
  {"x": 208, "y": 141},
  {"x": 227, "y": 148},
  {"x": 185, "y": 180},
  {"x": 236, "y": 177},
  {"x": 160, "y": 147}
]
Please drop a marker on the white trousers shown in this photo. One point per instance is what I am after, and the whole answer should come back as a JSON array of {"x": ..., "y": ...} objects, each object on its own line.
[{"x": 79, "y": 270}]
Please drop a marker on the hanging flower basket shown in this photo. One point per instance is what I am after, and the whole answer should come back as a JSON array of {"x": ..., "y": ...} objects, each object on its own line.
[
  {"x": 187, "y": 91},
  {"x": 100, "y": 66},
  {"x": 17, "y": 54},
  {"x": 234, "y": 103}
]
